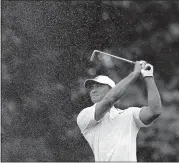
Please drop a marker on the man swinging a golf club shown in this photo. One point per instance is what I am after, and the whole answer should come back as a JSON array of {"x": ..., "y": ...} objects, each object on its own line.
[{"x": 111, "y": 132}]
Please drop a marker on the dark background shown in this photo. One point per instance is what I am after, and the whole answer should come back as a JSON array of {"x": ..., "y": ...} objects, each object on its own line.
[{"x": 46, "y": 46}]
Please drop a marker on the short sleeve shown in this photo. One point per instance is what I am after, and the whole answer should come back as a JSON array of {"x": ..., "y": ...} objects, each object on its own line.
[
  {"x": 85, "y": 118},
  {"x": 135, "y": 113}
]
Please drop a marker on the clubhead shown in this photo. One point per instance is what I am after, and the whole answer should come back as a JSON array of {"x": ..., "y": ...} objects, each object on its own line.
[{"x": 94, "y": 55}]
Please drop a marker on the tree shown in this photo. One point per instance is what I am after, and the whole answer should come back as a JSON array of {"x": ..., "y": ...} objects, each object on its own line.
[{"x": 46, "y": 48}]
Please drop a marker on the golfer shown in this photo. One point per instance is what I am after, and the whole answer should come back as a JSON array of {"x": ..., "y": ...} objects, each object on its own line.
[{"x": 111, "y": 132}]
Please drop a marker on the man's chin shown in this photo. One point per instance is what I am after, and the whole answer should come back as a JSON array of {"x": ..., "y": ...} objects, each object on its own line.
[{"x": 95, "y": 100}]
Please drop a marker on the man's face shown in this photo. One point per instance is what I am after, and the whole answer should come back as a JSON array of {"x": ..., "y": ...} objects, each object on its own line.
[{"x": 98, "y": 91}]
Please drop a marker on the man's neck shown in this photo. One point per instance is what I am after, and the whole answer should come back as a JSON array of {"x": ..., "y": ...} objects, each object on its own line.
[{"x": 111, "y": 108}]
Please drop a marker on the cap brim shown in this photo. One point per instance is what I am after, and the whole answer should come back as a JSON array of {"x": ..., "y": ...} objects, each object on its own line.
[{"x": 89, "y": 82}]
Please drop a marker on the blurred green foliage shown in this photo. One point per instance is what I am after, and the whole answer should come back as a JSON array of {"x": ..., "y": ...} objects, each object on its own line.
[{"x": 46, "y": 46}]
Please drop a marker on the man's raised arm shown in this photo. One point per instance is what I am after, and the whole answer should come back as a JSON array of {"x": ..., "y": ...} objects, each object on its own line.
[
  {"x": 115, "y": 93},
  {"x": 153, "y": 111}
]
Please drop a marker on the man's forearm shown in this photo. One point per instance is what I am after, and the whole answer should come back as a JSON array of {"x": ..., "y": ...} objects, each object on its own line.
[
  {"x": 115, "y": 93},
  {"x": 154, "y": 100}
]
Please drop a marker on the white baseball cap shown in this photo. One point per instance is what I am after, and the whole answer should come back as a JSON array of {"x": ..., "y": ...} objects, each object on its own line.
[{"x": 100, "y": 79}]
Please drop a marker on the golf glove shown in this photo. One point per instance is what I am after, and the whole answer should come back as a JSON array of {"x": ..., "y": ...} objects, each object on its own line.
[{"x": 147, "y": 69}]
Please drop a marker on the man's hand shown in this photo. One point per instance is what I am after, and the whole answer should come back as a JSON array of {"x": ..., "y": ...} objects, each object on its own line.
[
  {"x": 138, "y": 67},
  {"x": 147, "y": 69}
]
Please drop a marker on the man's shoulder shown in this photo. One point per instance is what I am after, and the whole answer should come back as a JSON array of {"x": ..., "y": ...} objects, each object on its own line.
[
  {"x": 87, "y": 108},
  {"x": 85, "y": 118}
]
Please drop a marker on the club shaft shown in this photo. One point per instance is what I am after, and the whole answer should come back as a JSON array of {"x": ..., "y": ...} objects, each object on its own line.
[{"x": 123, "y": 59}]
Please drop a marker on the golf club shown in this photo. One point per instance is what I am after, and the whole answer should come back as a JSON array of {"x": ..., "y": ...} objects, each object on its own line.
[{"x": 97, "y": 52}]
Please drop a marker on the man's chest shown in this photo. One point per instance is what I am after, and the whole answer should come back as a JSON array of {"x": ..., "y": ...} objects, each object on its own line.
[
  {"x": 113, "y": 128},
  {"x": 110, "y": 133},
  {"x": 117, "y": 127}
]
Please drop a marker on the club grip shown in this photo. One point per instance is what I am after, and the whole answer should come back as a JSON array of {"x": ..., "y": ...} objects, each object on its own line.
[{"x": 146, "y": 68}]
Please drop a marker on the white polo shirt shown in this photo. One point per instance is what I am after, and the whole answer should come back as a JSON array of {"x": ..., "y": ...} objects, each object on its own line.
[{"x": 113, "y": 138}]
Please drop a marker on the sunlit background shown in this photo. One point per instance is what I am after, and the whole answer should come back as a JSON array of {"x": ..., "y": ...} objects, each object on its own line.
[{"x": 46, "y": 47}]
